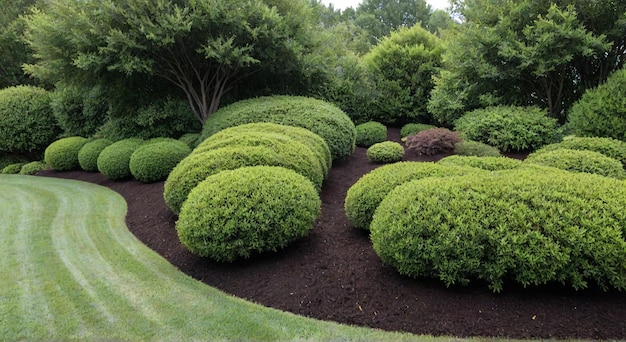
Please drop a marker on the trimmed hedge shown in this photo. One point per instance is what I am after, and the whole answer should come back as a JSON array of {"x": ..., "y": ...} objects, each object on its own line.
[
  {"x": 370, "y": 133},
  {"x": 32, "y": 168},
  {"x": 612, "y": 148},
  {"x": 321, "y": 118},
  {"x": 385, "y": 152},
  {"x": 198, "y": 166},
  {"x": 413, "y": 128},
  {"x": 531, "y": 226},
  {"x": 12, "y": 169},
  {"x": 62, "y": 155},
  {"x": 578, "y": 161},
  {"x": 475, "y": 148},
  {"x": 311, "y": 140},
  {"x": 153, "y": 161},
  {"x": 485, "y": 163},
  {"x": 88, "y": 154},
  {"x": 114, "y": 160},
  {"x": 235, "y": 214},
  {"x": 509, "y": 128},
  {"x": 366, "y": 194}
]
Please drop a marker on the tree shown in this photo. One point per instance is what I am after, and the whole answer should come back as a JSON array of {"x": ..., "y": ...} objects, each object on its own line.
[
  {"x": 204, "y": 47},
  {"x": 381, "y": 17}
]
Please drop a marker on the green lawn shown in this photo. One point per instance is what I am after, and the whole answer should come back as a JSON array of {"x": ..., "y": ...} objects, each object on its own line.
[{"x": 71, "y": 270}]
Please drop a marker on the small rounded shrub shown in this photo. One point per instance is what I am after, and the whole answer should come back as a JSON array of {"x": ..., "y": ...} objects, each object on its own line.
[
  {"x": 114, "y": 160},
  {"x": 153, "y": 162},
  {"x": 366, "y": 194},
  {"x": 235, "y": 214},
  {"x": 26, "y": 120},
  {"x": 601, "y": 111},
  {"x": 370, "y": 133},
  {"x": 509, "y": 128},
  {"x": 385, "y": 152},
  {"x": 191, "y": 139},
  {"x": 88, "y": 154},
  {"x": 311, "y": 140},
  {"x": 529, "y": 226},
  {"x": 321, "y": 118},
  {"x": 198, "y": 166},
  {"x": 32, "y": 168},
  {"x": 413, "y": 128},
  {"x": 612, "y": 148},
  {"x": 475, "y": 148},
  {"x": 485, "y": 163},
  {"x": 433, "y": 141},
  {"x": 579, "y": 161},
  {"x": 12, "y": 169},
  {"x": 62, "y": 155}
]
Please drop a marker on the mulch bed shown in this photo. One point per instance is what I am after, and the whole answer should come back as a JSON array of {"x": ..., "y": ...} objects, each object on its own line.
[{"x": 334, "y": 274}]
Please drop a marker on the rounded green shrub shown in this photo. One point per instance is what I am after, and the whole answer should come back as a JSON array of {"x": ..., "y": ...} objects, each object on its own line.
[
  {"x": 413, "y": 128},
  {"x": 88, "y": 154},
  {"x": 198, "y": 166},
  {"x": 235, "y": 214},
  {"x": 612, "y": 148},
  {"x": 191, "y": 139},
  {"x": 509, "y": 128},
  {"x": 530, "y": 226},
  {"x": 12, "y": 169},
  {"x": 62, "y": 155},
  {"x": 601, "y": 111},
  {"x": 321, "y": 118},
  {"x": 366, "y": 194},
  {"x": 26, "y": 121},
  {"x": 311, "y": 140},
  {"x": 114, "y": 160},
  {"x": 578, "y": 161},
  {"x": 385, "y": 152},
  {"x": 153, "y": 162},
  {"x": 32, "y": 168},
  {"x": 485, "y": 163},
  {"x": 475, "y": 148},
  {"x": 370, "y": 133}
]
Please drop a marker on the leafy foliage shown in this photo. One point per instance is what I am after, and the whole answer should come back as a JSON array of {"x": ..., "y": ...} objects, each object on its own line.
[
  {"x": 191, "y": 139},
  {"x": 114, "y": 160},
  {"x": 12, "y": 169},
  {"x": 235, "y": 214},
  {"x": 381, "y": 17},
  {"x": 609, "y": 147},
  {"x": 601, "y": 112},
  {"x": 366, "y": 194},
  {"x": 413, "y": 128},
  {"x": 503, "y": 226},
  {"x": 62, "y": 155},
  {"x": 433, "y": 141},
  {"x": 321, "y": 118},
  {"x": 32, "y": 168},
  {"x": 370, "y": 133},
  {"x": 153, "y": 161},
  {"x": 79, "y": 112},
  {"x": 8, "y": 159},
  {"x": 385, "y": 152},
  {"x": 26, "y": 121},
  {"x": 485, "y": 163},
  {"x": 578, "y": 161},
  {"x": 89, "y": 153},
  {"x": 509, "y": 128},
  {"x": 475, "y": 148}
]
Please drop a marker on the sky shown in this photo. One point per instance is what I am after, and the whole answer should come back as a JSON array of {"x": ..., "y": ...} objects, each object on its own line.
[{"x": 341, "y": 4}]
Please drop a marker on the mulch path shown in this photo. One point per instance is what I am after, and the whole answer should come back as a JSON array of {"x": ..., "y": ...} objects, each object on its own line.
[{"x": 334, "y": 274}]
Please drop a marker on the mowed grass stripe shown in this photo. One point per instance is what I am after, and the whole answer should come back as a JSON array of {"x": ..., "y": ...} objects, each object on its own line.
[{"x": 74, "y": 271}]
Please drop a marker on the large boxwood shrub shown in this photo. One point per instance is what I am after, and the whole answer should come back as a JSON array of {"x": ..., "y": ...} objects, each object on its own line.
[
  {"x": 578, "y": 161},
  {"x": 530, "y": 226},
  {"x": 321, "y": 118},
  {"x": 235, "y": 214},
  {"x": 153, "y": 161},
  {"x": 26, "y": 122},
  {"x": 370, "y": 133},
  {"x": 62, "y": 155},
  {"x": 610, "y": 147},
  {"x": 89, "y": 153},
  {"x": 366, "y": 194},
  {"x": 311, "y": 140},
  {"x": 601, "y": 111},
  {"x": 485, "y": 163},
  {"x": 114, "y": 160},
  {"x": 385, "y": 152},
  {"x": 509, "y": 128}
]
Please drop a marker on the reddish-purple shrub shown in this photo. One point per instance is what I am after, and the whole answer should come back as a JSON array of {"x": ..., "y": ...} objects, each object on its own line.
[{"x": 433, "y": 141}]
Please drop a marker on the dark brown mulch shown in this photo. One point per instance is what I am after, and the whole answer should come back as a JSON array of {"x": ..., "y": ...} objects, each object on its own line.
[{"x": 334, "y": 274}]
